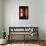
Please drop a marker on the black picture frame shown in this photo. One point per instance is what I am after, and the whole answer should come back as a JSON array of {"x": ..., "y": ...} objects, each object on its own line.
[{"x": 23, "y": 12}]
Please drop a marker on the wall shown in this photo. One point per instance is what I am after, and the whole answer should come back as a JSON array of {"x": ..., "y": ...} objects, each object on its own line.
[
  {"x": 36, "y": 15},
  {"x": 45, "y": 19},
  {"x": 0, "y": 18}
]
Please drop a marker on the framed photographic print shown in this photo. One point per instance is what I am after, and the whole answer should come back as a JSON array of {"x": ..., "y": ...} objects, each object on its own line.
[{"x": 23, "y": 12}]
